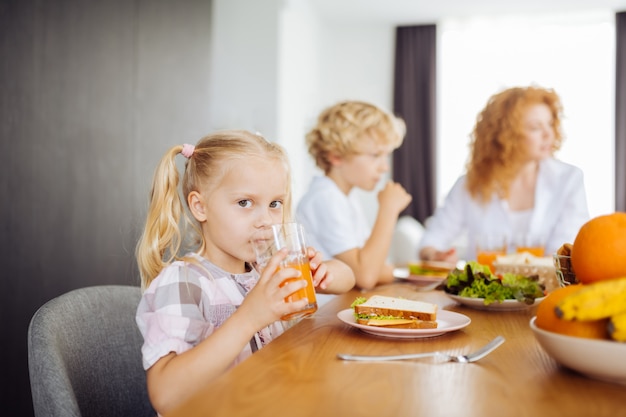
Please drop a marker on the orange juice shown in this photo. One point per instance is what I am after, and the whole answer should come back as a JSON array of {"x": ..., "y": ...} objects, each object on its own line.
[
  {"x": 533, "y": 250},
  {"x": 532, "y": 243},
  {"x": 489, "y": 247},
  {"x": 307, "y": 292},
  {"x": 488, "y": 258}
]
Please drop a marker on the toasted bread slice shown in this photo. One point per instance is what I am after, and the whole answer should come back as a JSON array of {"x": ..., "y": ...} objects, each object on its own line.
[
  {"x": 399, "y": 323},
  {"x": 379, "y": 305}
]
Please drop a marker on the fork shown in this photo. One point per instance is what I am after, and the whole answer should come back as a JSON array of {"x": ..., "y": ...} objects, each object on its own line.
[{"x": 472, "y": 357}]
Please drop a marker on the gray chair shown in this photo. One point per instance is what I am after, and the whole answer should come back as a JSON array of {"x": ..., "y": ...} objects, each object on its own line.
[{"x": 84, "y": 355}]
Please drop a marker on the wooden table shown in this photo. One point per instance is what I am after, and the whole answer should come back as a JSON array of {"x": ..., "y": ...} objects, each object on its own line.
[{"x": 298, "y": 374}]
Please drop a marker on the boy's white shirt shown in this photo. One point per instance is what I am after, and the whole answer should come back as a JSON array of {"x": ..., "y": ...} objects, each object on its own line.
[{"x": 334, "y": 222}]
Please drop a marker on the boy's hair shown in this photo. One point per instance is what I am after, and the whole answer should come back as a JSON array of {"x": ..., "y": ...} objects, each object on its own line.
[
  {"x": 162, "y": 240},
  {"x": 498, "y": 147},
  {"x": 341, "y": 128}
]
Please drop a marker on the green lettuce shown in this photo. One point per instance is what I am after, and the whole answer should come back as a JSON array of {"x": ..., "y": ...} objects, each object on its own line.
[{"x": 477, "y": 281}]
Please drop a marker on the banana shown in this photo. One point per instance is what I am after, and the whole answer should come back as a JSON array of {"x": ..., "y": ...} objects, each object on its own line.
[
  {"x": 595, "y": 301},
  {"x": 617, "y": 327}
]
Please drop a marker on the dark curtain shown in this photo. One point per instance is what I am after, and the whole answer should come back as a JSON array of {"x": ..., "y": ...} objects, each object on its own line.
[
  {"x": 414, "y": 100},
  {"x": 620, "y": 112}
]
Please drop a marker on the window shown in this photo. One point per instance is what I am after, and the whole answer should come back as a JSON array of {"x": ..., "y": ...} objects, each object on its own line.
[{"x": 571, "y": 53}]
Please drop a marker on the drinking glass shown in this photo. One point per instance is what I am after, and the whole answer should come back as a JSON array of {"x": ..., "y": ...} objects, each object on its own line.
[
  {"x": 488, "y": 248},
  {"x": 531, "y": 243},
  {"x": 271, "y": 239}
]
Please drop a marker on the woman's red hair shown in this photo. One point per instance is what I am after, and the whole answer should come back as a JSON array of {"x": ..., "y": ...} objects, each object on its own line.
[{"x": 497, "y": 147}]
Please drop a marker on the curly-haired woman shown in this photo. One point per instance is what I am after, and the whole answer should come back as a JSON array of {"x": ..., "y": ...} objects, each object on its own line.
[{"x": 513, "y": 184}]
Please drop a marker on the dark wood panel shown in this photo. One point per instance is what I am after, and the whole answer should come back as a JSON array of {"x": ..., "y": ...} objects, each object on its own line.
[{"x": 91, "y": 94}]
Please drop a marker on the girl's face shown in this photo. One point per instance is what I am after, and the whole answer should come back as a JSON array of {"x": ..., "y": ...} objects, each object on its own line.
[
  {"x": 249, "y": 196},
  {"x": 538, "y": 128},
  {"x": 363, "y": 169}
]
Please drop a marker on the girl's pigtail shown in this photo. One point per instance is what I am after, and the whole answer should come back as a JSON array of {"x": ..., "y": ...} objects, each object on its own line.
[{"x": 161, "y": 239}]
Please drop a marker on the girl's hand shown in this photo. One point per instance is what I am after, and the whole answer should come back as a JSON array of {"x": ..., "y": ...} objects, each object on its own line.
[
  {"x": 321, "y": 276},
  {"x": 266, "y": 304}
]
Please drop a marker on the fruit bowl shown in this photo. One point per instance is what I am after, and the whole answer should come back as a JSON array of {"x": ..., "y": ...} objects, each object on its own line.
[{"x": 597, "y": 359}]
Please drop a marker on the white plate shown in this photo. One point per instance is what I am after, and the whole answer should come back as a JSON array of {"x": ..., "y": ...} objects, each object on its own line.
[
  {"x": 479, "y": 303},
  {"x": 425, "y": 282},
  {"x": 447, "y": 321},
  {"x": 597, "y": 359}
]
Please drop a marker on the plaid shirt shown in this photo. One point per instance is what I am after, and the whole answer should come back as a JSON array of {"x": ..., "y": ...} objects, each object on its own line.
[{"x": 186, "y": 302}]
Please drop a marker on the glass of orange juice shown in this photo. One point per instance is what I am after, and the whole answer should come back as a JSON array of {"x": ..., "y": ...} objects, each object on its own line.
[
  {"x": 271, "y": 239},
  {"x": 488, "y": 248},
  {"x": 530, "y": 243}
]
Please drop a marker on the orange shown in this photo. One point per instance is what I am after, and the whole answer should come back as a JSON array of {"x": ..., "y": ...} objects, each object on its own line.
[
  {"x": 548, "y": 320},
  {"x": 599, "y": 248}
]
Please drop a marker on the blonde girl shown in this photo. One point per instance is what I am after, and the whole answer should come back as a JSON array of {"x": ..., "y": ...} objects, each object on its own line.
[{"x": 208, "y": 310}]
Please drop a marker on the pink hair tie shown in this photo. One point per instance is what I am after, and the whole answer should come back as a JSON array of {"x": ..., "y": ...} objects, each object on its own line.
[{"x": 187, "y": 150}]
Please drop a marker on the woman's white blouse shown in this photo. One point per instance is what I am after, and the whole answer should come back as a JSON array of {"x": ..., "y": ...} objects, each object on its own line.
[{"x": 560, "y": 210}]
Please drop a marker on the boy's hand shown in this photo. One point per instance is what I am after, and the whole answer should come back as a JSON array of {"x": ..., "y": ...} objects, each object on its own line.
[{"x": 394, "y": 197}]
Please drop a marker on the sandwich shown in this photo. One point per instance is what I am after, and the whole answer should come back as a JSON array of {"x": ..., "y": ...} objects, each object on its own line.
[
  {"x": 430, "y": 268},
  {"x": 391, "y": 312}
]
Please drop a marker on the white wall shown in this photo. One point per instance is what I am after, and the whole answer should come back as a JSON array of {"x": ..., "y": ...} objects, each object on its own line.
[
  {"x": 275, "y": 67},
  {"x": 323, "y": 62},
  {"x": 244, "y": 65},
  {"x": 570, "y": 52},
  {"x": 299, "y": 85},
  {"x": 356, "y": 63}
]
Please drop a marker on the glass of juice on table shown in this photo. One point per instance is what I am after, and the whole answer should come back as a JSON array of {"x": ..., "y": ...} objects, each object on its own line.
[
  {"x": 530, "y": 243},
  {"x": 271, "y": 239},
  {"x": 488, "y": 248}
]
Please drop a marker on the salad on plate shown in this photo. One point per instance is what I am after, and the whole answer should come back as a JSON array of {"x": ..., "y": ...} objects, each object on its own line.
[{"x": 477, "y": 281}]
